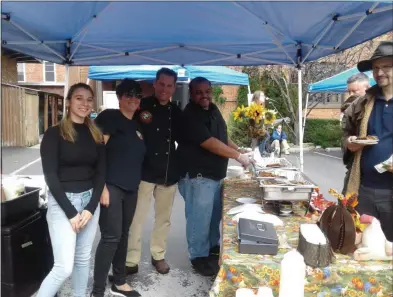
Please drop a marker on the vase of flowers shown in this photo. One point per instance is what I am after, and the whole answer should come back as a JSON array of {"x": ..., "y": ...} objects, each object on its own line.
[
  {"x": 254, "y": 143},
  {"x": 257, "y": 118}
]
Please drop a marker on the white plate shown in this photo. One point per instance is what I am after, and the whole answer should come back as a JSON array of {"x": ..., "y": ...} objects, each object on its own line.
[
  {"x": 366, "y": 142},
  {"x": 246, "y": 200},
  {"x": 244, "y": 207}
]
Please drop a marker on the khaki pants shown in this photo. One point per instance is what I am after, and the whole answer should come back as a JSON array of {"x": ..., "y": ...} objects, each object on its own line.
[{"x": 163, "y": 202}]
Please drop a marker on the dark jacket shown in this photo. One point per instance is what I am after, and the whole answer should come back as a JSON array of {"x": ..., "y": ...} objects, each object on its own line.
[
  {"x": 353, "y": 116},
  {"x": 279, "y": 137},
  {"x": 344, "y": 107},
  {"x": 161, "y": 127}
]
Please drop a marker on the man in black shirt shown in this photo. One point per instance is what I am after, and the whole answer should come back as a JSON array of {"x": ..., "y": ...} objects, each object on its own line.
[
  {"x": 160, "y": 120},
  {"x": 205, "y": 150}
]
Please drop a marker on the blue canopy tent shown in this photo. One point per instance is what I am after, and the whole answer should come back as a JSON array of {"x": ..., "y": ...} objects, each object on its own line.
[
  {"x": 336, "y": 83},
  {"x": 218, "y": 75},
  {"x": 191, "y": 33}
]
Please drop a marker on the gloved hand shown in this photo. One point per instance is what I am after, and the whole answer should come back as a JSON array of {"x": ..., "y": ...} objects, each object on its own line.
[
  {"x": 244, "y": 150},
  {"x": 245, "y": 160}
]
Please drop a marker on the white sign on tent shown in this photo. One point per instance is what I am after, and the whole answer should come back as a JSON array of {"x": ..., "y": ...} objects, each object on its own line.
[{"x": 110, "y": 100}]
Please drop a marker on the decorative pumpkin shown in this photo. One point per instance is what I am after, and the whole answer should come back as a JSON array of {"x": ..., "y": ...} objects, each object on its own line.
[{"x": 339, "y": 227}]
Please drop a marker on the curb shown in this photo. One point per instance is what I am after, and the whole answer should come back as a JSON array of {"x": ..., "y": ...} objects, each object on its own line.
[
  {"x": 297, "y": 150},
  {"x": 333, "y": 149}
]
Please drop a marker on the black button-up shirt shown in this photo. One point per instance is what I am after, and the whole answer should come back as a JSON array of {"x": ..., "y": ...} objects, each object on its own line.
[
  {"x": 161, "y": 126},
  {"x": 199, "y": 126}
]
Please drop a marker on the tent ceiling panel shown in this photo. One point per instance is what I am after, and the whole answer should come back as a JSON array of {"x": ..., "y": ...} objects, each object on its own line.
[{"x": 206, "y": 33}]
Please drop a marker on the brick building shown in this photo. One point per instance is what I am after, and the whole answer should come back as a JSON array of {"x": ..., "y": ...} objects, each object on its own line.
[
  {"x": 230, "y": 93},
  {"x": 49, "y": 77},
  {"x": 25, "y": 112}
]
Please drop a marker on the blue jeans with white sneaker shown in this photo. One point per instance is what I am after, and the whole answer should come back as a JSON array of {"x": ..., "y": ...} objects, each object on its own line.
[
  {"x": 71, "y": 251},
  {"x": 203, "y": 205}
]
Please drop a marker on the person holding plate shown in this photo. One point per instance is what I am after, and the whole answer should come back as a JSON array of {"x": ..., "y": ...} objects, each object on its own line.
[{"x": 368, "y": 135}]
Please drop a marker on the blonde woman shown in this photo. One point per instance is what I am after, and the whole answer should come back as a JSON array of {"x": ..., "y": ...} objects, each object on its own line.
[
  {"x": 73, "y": 161},
  {"x": 259, "y": 98}
]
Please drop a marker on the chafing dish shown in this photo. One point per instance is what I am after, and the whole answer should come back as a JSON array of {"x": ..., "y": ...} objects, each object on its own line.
[
  {"x": 274, "y": 163},
  {"x": 290, "y": 186}
]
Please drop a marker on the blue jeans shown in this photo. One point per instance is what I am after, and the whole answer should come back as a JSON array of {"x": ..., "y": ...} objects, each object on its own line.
[
  {"x": 71, "y": 251},
  {"x": 202, "y": 198},
  {"x": 264, "y": 141}
]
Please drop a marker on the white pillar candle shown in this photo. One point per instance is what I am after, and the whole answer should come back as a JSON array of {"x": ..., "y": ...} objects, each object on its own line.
[
  {"x": 292, "y": 275},
  {"x": 265, "y": 292}
]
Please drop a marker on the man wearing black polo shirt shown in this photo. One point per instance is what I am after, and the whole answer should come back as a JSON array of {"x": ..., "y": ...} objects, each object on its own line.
[
  {"x": 372, "y": 115},
  {"x": 205, "y": 150},
  {"x": 161, "y": 121}
]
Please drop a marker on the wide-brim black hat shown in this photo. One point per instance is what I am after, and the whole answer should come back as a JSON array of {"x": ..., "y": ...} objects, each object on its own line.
[{"x": 384, "y": 49}]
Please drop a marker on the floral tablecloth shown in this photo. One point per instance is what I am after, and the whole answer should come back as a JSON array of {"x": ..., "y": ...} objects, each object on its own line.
[{"x": 345, "y": 277}]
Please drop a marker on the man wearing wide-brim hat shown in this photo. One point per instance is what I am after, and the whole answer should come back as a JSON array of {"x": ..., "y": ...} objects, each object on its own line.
[{"x": 372, "y": 115}]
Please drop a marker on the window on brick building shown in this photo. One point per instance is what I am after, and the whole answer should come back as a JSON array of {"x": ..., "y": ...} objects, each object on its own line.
[
  {"x": 21, "y": 72},
  {"x": 49, "y": 72}
]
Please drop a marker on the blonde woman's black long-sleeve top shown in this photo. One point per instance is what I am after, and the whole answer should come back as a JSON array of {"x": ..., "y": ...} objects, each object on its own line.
[{"x": 73, "y": 167}]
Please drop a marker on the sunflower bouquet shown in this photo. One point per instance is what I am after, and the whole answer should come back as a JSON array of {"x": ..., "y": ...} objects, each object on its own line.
[{"x": 257, "y": 118}]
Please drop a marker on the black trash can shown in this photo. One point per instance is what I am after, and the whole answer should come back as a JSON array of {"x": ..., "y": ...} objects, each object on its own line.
[{"x": 26, "y": 255}]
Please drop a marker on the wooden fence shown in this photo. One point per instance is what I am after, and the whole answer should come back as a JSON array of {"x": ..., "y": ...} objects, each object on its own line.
[
  {"x": 27, "y": 113},
  {"x": 19, "y": 116}
]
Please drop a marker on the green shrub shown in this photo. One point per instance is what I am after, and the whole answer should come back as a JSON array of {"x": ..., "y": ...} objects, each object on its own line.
[
  {"x": 218, "y": 97},
  {"x": 326, "y": 133},
  {"x": 238, "y": 132},
  {"x": 241, "y": 98}
]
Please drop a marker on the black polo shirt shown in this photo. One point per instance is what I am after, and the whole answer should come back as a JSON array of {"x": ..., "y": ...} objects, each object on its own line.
[
  {"x": 200, "y": 125},
  {"x": 161, "y": 126},
  {"x": 125, "y": 149}
]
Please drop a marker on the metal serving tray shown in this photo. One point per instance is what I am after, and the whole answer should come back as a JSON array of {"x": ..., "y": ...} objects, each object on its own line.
[
  {"x": 284, "y": 164},
  {"x": 287, "y": 190}
]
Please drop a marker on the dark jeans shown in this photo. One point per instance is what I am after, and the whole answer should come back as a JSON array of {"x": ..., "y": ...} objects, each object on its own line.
[
  {"x": 115, "y": 221},
  {"x": 263, "y": 144},
  {"x": 203, "y": 206},
  {"x": 379, "y": 204}
]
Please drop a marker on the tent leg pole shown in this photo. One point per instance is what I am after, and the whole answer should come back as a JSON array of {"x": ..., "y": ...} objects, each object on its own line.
[
  {"x": 305, "y": 112},
  {"x": 249, "y": 89},
  {"x": 67, "y": 79},
  {"x": 300, "y": 110}
]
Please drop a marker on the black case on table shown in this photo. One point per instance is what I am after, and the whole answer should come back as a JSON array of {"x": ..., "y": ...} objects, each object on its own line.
[{"x": 257, "y": 237}]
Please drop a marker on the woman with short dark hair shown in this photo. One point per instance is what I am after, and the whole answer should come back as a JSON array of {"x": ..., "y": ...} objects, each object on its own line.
[{"x": 125, "y": 151}]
